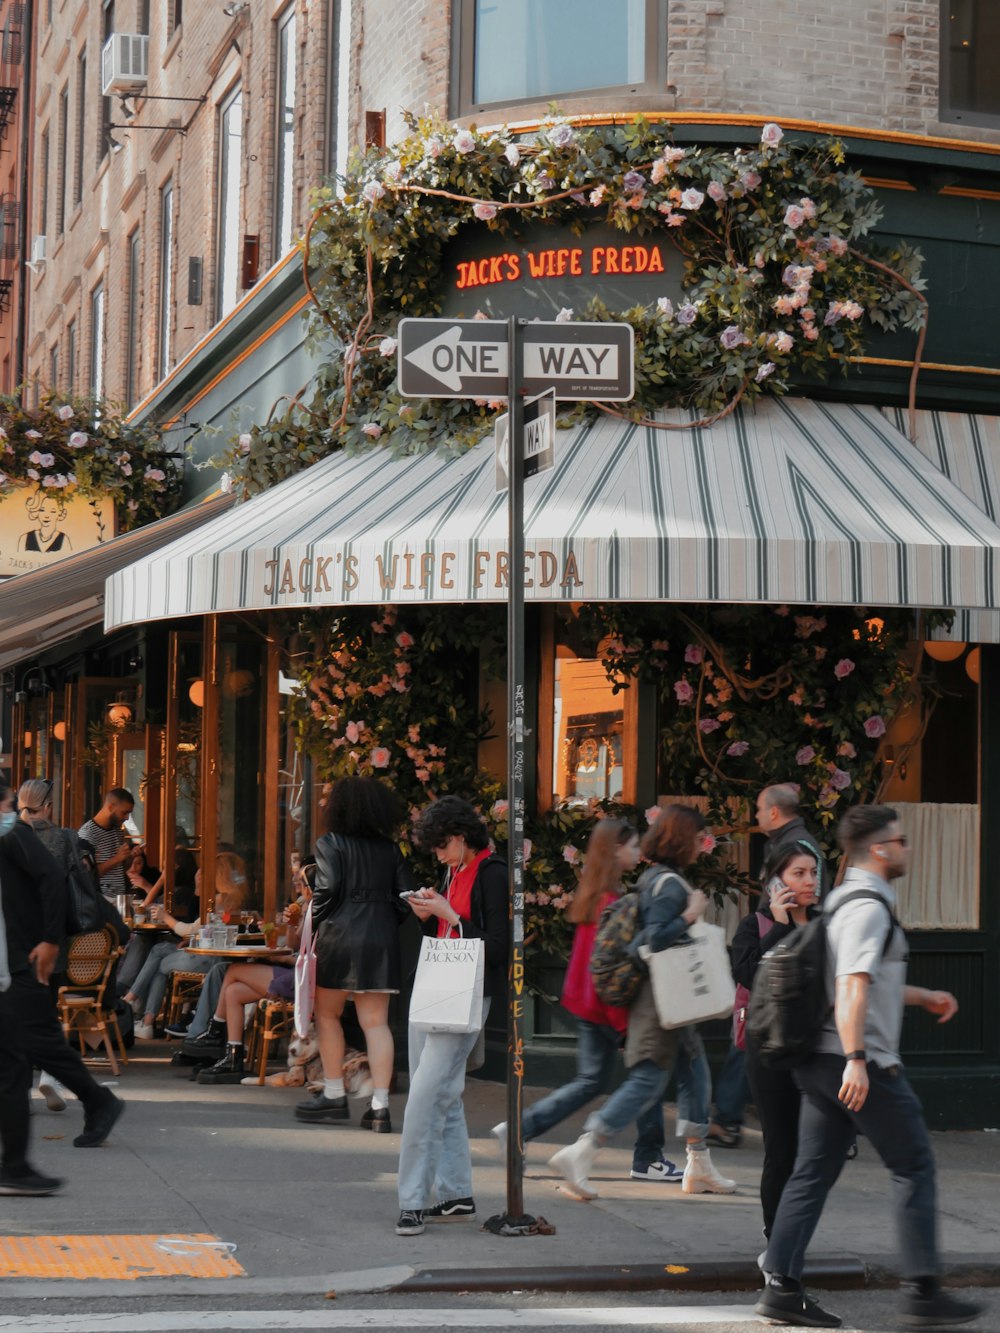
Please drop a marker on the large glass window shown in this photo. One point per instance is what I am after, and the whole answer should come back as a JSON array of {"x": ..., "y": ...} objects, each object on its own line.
[
  {"x": 97, "y": 341},
  {"x": 284, "y": 154},
  {"x": 531, "y": 50},
  {"x": 970, "y": 48},
  {"x": 165, "y": 321},
  {"x": 230, "y": 170}
]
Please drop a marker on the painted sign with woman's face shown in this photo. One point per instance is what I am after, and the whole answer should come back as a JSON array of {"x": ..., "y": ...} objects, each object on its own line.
[{"x": 39, "y": 527}]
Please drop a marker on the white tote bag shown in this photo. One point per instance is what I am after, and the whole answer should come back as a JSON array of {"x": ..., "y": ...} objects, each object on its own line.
[
  {"x": 692, "y": 980},
  {"x": 448, "y": 986},
  {"x": 305, "y": 977}
]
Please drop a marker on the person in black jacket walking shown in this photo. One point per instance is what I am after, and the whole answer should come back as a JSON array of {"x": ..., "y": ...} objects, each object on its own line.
[
  {"x": 791, "y": 895},
  {"x": 33, "y": 894},
  {"x": 435, "y": 1168},
  {"x": 356, "y": 912}
]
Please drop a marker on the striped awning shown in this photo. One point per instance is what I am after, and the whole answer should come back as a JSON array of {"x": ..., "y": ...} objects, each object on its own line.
[
  {"x": 966, "y": 448},
  {"x": 794, "y": 501},
  {"x": 49, "y": 605}
]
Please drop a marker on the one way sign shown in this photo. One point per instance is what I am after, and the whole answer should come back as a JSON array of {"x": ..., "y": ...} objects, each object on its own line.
[{"x": 467, "y": 358}]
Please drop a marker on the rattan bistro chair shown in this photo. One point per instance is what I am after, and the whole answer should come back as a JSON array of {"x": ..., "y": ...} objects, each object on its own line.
[
  {"x": 185, "y": 987},
  {"x": 81, "y": 1000},
  {"x": 272, "y": 1021}
]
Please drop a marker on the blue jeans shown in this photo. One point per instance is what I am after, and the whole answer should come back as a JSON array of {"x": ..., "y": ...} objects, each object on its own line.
[
  {"x": 646, "y": 1084},
  {"x": 596, "y": 1057},
  {"x": 892, "y": 1121},
  {"x": 434, "y": 1161},
  {"x": 731, "y": 1091},
  {"x": 143, "y": 985},
  {"x": 208, "y": 1000}
]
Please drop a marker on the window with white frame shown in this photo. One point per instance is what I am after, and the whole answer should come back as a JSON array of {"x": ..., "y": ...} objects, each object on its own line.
[
  {"x": 284, "y": 149},
  {"x": 508, "y": 51},
  {"x": 134, "y": 306},
  {"x": 97, "y": 341},
  {"x": 165, "y": 314},
  {"x": 228, "y": 254}
]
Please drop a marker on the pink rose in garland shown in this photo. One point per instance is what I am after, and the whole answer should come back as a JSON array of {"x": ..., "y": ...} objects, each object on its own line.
[
  {"x": 839, "y": 779},
  {"x": 379, "y": 757},
  {"x": 805, "y": 755},
  {"x": 683, "y": 691},
  {"x": 847, "y": 750},
  {"x": 875, "y": 727},
  {"x": 709, "y": 724},
  {"x": 738, "y": 748},
  {"x": 843, "y": 668},
  {"x": 694, "y": 653}
]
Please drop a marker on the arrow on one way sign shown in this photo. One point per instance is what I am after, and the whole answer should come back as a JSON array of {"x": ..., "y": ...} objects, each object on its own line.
[
  {"x": 467, "y": 358},
  {"x": 450, "y": 361}
]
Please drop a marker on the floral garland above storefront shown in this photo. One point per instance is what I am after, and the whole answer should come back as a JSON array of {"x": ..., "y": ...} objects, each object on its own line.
[
  {"x": 778, "y": 279},
  {"x": 747, "y": 696},
  {"x": 83, "y": 446}
]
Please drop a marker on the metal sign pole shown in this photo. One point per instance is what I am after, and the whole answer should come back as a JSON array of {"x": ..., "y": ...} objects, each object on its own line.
[{"x": 515, "y": 769}]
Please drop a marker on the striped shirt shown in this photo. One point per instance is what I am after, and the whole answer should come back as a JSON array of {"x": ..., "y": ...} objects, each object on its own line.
[{"x": 106, "y": 843}]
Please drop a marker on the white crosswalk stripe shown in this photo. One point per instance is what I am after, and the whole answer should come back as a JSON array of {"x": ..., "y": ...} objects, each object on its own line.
[{"x": 180, "y": 1321}]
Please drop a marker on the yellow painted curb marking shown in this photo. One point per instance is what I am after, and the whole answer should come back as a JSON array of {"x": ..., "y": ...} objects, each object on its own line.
[{"x": 119, "y": 1257}]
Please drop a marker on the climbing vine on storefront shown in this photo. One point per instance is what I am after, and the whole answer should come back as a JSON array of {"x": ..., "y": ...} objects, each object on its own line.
[
  {"x": 747, "y": 695},
  {"x": 780, "y": 278}
]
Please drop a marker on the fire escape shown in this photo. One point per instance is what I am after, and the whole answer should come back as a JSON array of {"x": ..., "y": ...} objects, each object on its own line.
[{"x": 10, "y": 64}]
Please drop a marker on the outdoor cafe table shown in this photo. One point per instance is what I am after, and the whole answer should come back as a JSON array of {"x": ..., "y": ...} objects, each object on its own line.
[
  {"x": 152, "y": 928},
  {"x": 244, "y": 953}
]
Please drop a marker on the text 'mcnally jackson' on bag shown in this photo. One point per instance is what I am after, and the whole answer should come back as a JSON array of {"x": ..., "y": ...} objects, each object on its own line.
[{"x": 448, "y": 986}]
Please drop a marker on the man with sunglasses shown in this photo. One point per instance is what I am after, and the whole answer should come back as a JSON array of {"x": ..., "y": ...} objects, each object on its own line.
[{"x": 855, "y": 1084}]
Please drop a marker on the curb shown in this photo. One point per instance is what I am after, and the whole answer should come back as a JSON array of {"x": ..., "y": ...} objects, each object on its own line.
[
  {"x": 831, "y": 1273},
  {"x": 838, "y": 1272},
  {"x": 834, "y": 1273}
]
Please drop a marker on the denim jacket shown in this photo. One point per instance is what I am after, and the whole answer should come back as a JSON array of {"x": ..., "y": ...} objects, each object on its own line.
[{"x": 664, "y": 900}]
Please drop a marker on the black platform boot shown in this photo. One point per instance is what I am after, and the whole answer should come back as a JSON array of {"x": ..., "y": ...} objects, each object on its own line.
[{"x": 229, "y": 1069}]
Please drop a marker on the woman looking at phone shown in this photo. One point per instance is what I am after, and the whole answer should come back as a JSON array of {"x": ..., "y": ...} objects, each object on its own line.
[{"x": 792, "y": 901}]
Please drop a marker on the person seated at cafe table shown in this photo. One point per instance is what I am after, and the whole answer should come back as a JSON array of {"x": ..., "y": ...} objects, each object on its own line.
[
  {"x": 243, "y": 984},
  {"x": 170, "y": 956},
  {"x": 205, "y": 1036}
]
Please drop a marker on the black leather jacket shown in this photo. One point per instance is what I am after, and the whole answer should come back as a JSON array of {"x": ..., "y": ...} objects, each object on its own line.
[{"x": 356, "y": 912}]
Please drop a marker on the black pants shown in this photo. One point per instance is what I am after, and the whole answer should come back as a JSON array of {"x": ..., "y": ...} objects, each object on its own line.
[
  {"x": 893, "y": 1123},
  {"x": 30, "y": 1035},
  {"x": 777, "y": 1098}
]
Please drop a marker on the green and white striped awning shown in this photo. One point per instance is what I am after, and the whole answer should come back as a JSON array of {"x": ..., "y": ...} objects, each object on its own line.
[{"x": 795, "y": 501}]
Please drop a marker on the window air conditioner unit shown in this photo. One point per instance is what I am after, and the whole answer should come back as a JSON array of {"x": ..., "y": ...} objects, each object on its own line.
[
  {"x": 124, "y": 63},
  {"x": 38, "y": 250}
]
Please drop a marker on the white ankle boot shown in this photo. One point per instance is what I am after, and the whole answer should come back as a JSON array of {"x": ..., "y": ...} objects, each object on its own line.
[
  {"x": 701, "y": 1177},
  {"x": 574, "y": 1164}
]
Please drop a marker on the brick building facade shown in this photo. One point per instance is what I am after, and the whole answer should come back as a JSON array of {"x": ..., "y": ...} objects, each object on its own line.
[{"x": 136, "y": 248}]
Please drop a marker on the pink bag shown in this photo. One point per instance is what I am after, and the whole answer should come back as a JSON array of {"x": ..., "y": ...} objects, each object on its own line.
[
  {"x": 305, "y": 977},
  {"x": 742, "y": 1005}
]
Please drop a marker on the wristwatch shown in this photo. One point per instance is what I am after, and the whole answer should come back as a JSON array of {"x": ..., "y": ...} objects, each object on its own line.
[{"x": 856, "y": 1055}]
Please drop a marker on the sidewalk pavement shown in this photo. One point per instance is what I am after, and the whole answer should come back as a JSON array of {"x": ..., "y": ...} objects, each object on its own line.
[{"x": 313, "y": 1207}]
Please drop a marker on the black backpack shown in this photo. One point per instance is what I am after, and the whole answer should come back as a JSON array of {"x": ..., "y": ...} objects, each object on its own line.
[{"x": 789, "y": 1002}]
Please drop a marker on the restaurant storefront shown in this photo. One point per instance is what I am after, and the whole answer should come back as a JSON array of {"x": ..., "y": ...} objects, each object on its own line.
[{"x": 813, "y": 503}]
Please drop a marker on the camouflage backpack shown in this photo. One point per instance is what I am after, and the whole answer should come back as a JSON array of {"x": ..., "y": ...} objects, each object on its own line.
[{"x": 616, "y": 969}]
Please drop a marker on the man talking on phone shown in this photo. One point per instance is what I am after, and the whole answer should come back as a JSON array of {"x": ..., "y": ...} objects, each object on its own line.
[
  {"x": 855, "y": 1083},
  {"x": 112, "y": 849}
]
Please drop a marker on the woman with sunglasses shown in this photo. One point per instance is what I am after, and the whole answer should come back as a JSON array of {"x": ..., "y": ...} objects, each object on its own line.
[{"x": 435, "y": 1168}]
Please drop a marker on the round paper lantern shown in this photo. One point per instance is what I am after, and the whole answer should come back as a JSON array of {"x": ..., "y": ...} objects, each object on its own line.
[
  {"x": 59, "y": 731},
  {"x": 197, "y": 693},
  {"x": 972, "y": 665},
  {"x": 942, "y": 650}
]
